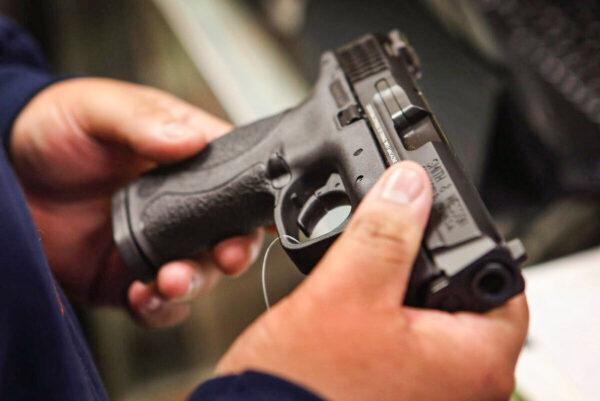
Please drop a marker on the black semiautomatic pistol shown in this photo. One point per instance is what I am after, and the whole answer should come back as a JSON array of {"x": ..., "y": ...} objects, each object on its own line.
[{"x": 365, "y": 113}]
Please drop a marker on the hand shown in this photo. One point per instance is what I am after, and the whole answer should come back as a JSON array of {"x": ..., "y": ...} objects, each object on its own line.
[
  {"x": 72, "y": 146},
  {"x": 344, "y": 334}
]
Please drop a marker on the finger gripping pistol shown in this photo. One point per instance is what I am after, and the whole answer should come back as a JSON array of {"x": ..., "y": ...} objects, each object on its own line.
[{"x": 365, "y": 114}]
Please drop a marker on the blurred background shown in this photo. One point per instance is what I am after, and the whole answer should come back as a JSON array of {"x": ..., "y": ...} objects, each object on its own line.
[{"x": 514, "y": 83}]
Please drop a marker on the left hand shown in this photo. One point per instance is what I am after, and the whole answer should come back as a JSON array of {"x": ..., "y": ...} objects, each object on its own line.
[{"x": 77, "y": 142}]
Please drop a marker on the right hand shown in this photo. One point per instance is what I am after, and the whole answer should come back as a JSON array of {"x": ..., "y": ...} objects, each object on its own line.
[{"x": 344, "y": 334}]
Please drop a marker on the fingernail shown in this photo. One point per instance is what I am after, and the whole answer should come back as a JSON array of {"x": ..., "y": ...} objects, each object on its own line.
[
  {"x": 176, "y": 130},
  {"x": 195, "y": 286},
  {"x": 153, "y": 304},
  {"x": 254, "y": 251},
  {"x": 403, "y": 186}
]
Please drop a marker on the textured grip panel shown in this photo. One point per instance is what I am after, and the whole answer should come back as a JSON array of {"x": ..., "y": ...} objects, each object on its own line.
[
  {"x": 225, "y": 149},
  {"x": 178, "y": 225},
  {"x": 180, "y": 210}
]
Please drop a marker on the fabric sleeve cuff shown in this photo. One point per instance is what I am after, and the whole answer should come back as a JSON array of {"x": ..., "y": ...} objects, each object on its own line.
[
  {"x": 251, "y": 386},
  {"x": 18, "y": 85}
]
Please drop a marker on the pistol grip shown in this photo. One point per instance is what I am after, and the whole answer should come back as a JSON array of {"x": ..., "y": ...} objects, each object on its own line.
[{"x": 179, "y": 210}]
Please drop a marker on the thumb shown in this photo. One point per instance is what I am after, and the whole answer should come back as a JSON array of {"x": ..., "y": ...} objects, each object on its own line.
[
  {"x": 151, "y": 123},
  {"x": 376, "y": 252}
]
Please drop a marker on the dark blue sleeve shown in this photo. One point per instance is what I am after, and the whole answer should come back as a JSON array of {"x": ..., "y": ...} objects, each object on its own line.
[
  {"x": 43, "y": 355},
  {"x": 251, "y": 386},
  {"x": 23, "y": 73}
]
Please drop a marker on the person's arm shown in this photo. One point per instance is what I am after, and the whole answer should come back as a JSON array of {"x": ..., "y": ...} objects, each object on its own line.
[
  {"x": 72, "y": 143},
  {"x": 23, "y": 73}
]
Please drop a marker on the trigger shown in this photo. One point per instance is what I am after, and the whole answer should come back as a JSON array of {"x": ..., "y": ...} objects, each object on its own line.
[{"x": 323, "y": 200}]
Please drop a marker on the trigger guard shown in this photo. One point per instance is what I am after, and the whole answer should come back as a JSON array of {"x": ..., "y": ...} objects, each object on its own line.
[
  {"x": 305, "y": 254},
  {"x": 321, "y": 202}
]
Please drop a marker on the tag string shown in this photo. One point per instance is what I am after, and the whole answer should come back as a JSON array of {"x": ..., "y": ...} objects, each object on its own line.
[{"x": 264, "y": 266}]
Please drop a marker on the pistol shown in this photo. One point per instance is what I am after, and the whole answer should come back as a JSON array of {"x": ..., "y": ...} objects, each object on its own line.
[{"x": 365, "y": 113}]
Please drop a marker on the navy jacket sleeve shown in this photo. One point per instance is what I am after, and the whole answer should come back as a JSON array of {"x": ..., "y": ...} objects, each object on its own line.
[
  {"x": 23, "y": 73},
  {"x": 251, "y": 386},
  {"x": 43, "y": 354}
]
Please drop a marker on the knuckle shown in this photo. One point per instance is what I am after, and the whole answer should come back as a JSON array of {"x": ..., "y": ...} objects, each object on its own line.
[
  {"x": 166, "y": 102},
  {"x": 386, "y": 237},
  {"x": 149, "y": 109},
  {"x": 150, "y": 102}
]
